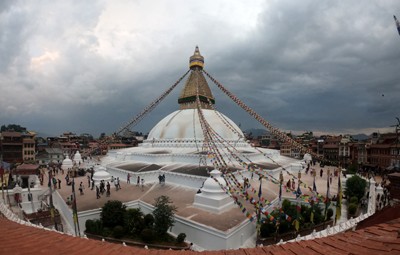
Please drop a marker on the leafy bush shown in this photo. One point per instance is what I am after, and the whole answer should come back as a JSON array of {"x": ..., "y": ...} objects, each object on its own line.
[
  {"x": 94, "y": 227},
  {"x": 118, "y": 232},
  {"x": 267, "y": 230},
  {"x": 89, "y": 225},
  {"x": 329, "y": 214},
  {"x": 106, "y": 232},
  {"x": 355, "y": 187},
  {"x": 181, "y": 238},
  {"x": 352, "y": 209},
  {"x": 148, "y": 220},
  {"x": 353, "y": 200},
  {"x": 163, "y": 215},
  {"x": 147, "y": 235},
  {"x": 112, "y": 213},
  {"x": 134, "y": 222}
]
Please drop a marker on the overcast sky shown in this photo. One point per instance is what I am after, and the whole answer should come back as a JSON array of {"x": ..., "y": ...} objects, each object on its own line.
[{"x": 90, "y": 66}]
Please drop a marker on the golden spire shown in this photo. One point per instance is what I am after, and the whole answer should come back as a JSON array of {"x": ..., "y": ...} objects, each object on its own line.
[
  {"x": 197, "y": 60},
  {"x": 196, "y": 82}
]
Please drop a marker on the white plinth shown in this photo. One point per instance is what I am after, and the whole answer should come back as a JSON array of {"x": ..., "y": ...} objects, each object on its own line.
[{"x": 213, "y": 197}]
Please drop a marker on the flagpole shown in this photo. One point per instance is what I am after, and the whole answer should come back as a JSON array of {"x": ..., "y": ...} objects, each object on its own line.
[
  {"x": 327, "y": 199},
  {"x": 259, "y": 206},
  {"x": 52, "y": 212},
  {"x": 339, "y": 200},
  {"x": 75, "y": 210}
]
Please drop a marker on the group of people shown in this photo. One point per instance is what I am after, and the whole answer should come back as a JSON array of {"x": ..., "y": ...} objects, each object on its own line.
[{"x": 161, "y": 179}]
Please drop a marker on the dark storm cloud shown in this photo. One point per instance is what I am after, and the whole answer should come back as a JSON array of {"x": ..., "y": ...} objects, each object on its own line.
[
  {"x": 320, "y": 65},
  {"x": 92, "y": 66}
]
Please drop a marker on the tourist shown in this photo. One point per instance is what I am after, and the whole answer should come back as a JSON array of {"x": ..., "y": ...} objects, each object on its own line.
[
  {"x": 59, "y": 183},
  {"x": 116, "y": 184},
  {"x": 97, "y": 192},
  {"x": 128, "y": 178},
  {"x": 288, "y": 184},
  {"x": 138, "y": 181},
  {"x": 88, "y": 181},
  {"x": 81, "y": 187},
  {"x": 163, "y": 178},
  {"x": 142, "y": 181},
  {"x": 159, "y": 179},
  {"x": 321, "y": 172},
  {"x": 55, "y": 182},
  {"x": 108, "y": 193},
  {"x": 92, "y": 185}
]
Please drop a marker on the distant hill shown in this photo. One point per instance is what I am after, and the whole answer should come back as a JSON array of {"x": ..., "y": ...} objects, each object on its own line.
[
  {"x": 255, "y": 132},
  {"x": 360, "y": 137}
]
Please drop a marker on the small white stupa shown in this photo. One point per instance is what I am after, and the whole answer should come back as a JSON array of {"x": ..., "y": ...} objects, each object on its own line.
[
  {"x": 101, "y": 174},
  {"x": 67, "y": 164},
  {"x": 77, "y": 158},
  {"x": 212, "y": 197}
]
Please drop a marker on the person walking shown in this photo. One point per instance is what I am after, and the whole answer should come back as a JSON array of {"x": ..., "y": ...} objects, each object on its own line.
[
  {"x": 97, "y": 192},
  {"x": 88, "y": 181},
  {"x": 81, "y": 187},
  {"x": 138, "y": 181},
  {"x": 59, "y": 183},
  {"x": 116, "y": 184},
  {"x": 108, "y": 193},
  {"x": 128, "y": 178},
  {"x": 142, "y": 181}
]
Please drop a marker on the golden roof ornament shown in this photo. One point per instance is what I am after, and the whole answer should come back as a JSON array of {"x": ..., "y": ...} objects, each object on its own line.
[{"x": 196, "y": 60}]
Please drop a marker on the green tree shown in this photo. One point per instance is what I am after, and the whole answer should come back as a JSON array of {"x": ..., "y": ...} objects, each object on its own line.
[
  {"x": 13, "y": 127},
  {"x": 163, "y": 215},
  {"x": 355, "y": 187},
  {"x": 112, "y": 214},
  {"x": 134, "y": 222}
]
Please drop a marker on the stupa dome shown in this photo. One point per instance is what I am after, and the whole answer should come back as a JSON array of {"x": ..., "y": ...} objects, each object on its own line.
[
  {"x": 213, "y": 184},
  {"x": 101, "y": 175},
  {"x": 67, "y": 163},
  {"x": 77, "y": 157},
  {"x": 185, "y": 125}
]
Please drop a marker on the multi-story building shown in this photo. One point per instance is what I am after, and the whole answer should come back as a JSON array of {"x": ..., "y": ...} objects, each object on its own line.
[
  {"x": 384, "y": 151},
  {"x": 11, "y": 146},
  {"x": 18, "y": 147},
  {"x": 344, "y": 151},
  {"x": 331, "y": 148},
  {"x": 50, "y": 156},
  {"x": 28, "y": 148}
]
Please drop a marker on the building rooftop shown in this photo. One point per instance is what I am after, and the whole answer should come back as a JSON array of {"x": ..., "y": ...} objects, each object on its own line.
[{"x": 22, "y": 239}]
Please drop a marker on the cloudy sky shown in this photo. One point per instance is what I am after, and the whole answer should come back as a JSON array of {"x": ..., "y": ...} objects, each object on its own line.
[{"x": 90, "y": 66}]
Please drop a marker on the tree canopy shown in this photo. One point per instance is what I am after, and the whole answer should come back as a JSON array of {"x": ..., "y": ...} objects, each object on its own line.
[
  {"x": 13, "y": 127},
  {"x": 355, "y": 187},
  {"x": 112, "y": 213},
  {"x": 163, "y": 214}
]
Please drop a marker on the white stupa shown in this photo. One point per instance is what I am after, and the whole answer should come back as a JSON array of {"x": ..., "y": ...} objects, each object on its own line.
[
  {"x": 77, "y": 158},
  {"x": 67, "y": 163},
  {"x": 101, "y": 174},
  {"x": 179, "y": 138},
  {"x": 212, "y": 197}
]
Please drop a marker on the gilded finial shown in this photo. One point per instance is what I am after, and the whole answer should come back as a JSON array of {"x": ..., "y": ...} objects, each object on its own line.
[{"x": 197, "y": 60}]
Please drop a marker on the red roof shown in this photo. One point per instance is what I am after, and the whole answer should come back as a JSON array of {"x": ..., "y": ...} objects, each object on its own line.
[{"x": 21, "y": 239}]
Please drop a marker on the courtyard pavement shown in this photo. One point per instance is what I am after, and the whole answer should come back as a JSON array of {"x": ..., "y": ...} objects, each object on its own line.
[{"x": 183, "y": 197}]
